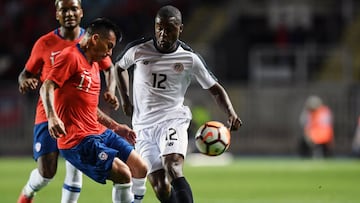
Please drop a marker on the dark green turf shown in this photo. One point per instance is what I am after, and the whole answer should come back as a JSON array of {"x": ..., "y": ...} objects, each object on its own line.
[{"x": 257, "y": 180}]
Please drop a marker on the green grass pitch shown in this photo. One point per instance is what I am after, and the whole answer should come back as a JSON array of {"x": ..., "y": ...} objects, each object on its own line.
[{"x": 245, "y": 180}]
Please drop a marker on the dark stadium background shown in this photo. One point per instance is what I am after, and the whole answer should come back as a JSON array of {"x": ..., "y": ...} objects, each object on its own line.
[{"x": 269, "y": 55}]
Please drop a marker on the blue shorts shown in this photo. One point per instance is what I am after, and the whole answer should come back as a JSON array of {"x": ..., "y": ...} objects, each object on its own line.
[
  {"x": 43, "y": 143},
  {"x": 94, "y": 155}
]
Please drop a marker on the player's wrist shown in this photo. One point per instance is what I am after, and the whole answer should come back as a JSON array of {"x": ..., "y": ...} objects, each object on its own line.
[{"x": 113, "y": 125}]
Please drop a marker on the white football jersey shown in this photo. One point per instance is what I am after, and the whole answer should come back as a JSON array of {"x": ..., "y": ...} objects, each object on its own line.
[{"x": 160, "y": 81}]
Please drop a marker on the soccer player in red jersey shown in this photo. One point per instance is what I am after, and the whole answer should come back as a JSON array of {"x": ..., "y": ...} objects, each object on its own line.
[
  {"x": 70, "y": 96},
  {"x": 46, "y": 48}
]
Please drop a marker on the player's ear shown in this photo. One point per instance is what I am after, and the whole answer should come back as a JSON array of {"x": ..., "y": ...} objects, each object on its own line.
[
  {"x": 181, "y": 28},
  {"x": 95, "y": 38},
  {"x": 81, "y": 13},
  {"x": 57, "y": 15}
]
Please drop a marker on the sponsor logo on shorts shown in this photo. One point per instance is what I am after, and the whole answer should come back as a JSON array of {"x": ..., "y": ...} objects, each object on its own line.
[
  {"x": 37, "y": 147},
  {"x": 103, "y": 156}
]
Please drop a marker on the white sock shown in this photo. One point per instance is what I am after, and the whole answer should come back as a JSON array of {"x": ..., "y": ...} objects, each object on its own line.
[
  {"x": 121, "y": 193},
  {"x": 72, "y": 184},
  {"x": 35, "y": 183},
  {"x": 139, "y": 189}
]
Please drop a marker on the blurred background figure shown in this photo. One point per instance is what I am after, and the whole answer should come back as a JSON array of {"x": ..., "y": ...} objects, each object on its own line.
[
  {"x": 356, "y": 141},
  {"x": 287, "y": 50},
  {"x": 318, "y": 134}
]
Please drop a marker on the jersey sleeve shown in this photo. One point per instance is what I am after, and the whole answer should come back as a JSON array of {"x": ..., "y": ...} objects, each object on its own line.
[
  {"x": 127, "y": 59},
  {"x": 105, "y": 64},
  {"x": 204, "y": 77},
  {"x": 63, "y": 68},
  {"x": 35, "y": 61}
]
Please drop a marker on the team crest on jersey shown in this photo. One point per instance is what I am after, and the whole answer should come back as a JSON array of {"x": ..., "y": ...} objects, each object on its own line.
[
  {"x": 103, "y": 156},
  {"x": 179, "y": 67}
]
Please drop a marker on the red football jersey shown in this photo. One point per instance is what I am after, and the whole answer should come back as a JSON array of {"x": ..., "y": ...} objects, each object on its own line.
[
  {"x": 42, "y": 58},
  {"x": 76, "y": 101}
]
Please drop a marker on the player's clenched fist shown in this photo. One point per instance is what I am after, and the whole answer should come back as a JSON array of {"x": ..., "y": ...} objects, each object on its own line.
[
  {"x": 112, "y": 100},
  {"x": 56, "y": 127},
  {"x": 28, "y": 84}
]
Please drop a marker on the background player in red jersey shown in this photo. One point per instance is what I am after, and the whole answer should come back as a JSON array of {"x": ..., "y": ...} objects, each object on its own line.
[
  {"x": 98, "y": 152},
  {"x": 69, "y": 14}
]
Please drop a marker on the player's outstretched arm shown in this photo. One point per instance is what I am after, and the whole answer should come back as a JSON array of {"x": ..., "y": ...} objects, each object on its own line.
[
  {"x": 120, "y": 129},
  {"x": 27, "y": 81},
  {"x": 55, "y": 125},
  {"x": 223, "y": 100},
  {"x": 122, "y": 83}
]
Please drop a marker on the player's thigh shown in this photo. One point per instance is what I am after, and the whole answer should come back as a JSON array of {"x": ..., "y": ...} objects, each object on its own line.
[
  {"x": 92, "y": 157},
  {"x": 45, "y": 150},
  {"x": 146, "y": 146},
  {"x": 120, "y": 172},
  {"x": 43, "y": 143},
  {"x": 116, "y": 142},
  {"x": 174, "y": 137},
  {"x": 47, "y": 164}
]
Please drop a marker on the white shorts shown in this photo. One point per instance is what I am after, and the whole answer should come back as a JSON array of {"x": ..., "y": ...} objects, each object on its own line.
[{"x": 164, "y": 138}]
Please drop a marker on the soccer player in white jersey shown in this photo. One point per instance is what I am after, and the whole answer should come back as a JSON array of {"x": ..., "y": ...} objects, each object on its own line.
[{"x": 163, "y": 68}]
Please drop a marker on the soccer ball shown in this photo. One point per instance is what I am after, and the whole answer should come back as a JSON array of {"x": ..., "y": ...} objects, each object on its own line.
[{"x": 212, "y": 138}]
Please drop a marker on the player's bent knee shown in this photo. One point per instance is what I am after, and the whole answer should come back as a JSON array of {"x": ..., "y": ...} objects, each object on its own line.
[
  {"x": 120, "y": 172},
  {"x": 161, "y": 186},
  {"x": 173, "y": 165},
  {"x": 140, "y": 170},
  {"x": 137, "y": 165},
  {"x": 47, "y": 165}
]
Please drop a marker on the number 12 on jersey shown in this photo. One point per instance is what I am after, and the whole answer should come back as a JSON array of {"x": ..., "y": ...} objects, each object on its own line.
[{"x": 158, "y": 80}]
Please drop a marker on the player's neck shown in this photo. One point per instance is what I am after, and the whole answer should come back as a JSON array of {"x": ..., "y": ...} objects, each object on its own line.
[
  {"x": 84, "y": 48},
  {"x": 70, "y": 33}
]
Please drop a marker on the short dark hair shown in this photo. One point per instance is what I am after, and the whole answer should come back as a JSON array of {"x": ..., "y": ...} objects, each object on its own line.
[
  {"x": 170, "y": 11},
  {"x": 102, "y": 26},
  {"x": 57, "y": 3}
]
